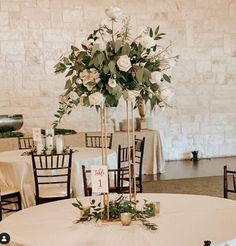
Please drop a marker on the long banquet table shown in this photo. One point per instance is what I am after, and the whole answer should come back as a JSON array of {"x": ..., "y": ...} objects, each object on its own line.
[
  {"x": 184, "y": 220},
  {"x": 16, "y": 170}
]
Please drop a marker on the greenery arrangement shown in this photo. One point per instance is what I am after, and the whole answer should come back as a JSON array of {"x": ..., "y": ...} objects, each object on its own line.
[
  {"x": 112, "y": 64},
  {"x": 46, "y": 151},
  {"x": 116, "y": 207},
  {"x": 11, "y": 134},
  {"x": 62, "y": 131}
]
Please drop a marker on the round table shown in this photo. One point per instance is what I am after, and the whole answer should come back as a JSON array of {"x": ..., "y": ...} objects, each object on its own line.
[
  {"x": 184, "y": 220},
  {"x": 16, "y": 170}
]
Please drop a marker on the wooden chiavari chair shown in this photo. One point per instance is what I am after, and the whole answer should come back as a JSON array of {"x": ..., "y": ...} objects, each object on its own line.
[{"x": 52, "y": 175}]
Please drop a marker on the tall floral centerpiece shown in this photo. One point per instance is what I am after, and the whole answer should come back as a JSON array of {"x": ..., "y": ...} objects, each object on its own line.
[{"x": 111, "y": 64}]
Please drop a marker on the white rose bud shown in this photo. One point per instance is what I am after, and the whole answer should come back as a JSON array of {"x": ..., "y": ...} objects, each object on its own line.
[
  {"x": 147, "y": 42},
  {"x": 113, "y": 13},
  {"x": 112, "y": 83},
  {"x": 124, "y": 63},
  {"x": 156, "y": 77},
  {"x": 132, "y": 94},
  {"x": 96, "y": 99}
]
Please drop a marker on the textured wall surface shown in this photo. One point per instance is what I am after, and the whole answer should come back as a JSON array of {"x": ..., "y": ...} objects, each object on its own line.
[{"x": 34, "y": 33}]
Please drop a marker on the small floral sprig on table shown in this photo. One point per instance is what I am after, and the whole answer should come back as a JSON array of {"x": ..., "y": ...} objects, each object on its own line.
[
  {"x": 113, "y": 64},
  {"x": 45, "y": 151},
  {"x": 116, "y": 207}
]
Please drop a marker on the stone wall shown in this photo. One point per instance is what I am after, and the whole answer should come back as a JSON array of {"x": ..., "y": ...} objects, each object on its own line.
[{"x": 34, "y": 33}]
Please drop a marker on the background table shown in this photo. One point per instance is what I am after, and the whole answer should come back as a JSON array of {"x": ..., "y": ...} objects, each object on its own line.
[
  {"x": 184, "y": 220},
  {"x": 16, "y": 170},
  {"x": 154, "y": 161}
]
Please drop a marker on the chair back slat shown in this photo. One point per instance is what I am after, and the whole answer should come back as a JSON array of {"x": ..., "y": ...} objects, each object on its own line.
[
  {"x": 123, "y": 156},
  {"x": 46, "y": 172},
  {"x": 229, "y": 181},
  {"x": 25, "y": 143},
  {"x": 95, "y": 141}
]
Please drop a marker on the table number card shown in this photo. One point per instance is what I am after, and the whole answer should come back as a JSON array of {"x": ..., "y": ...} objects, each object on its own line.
[
  {"x": 37, "y": 137},
  {"x": 99, "y": 178}
]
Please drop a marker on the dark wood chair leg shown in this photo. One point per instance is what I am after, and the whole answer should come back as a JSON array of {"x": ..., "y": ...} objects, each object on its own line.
[
  {"x": 0, "y": 211},
  {"x": 19, "y": 201},
  {"x": 225, "y": 182}
]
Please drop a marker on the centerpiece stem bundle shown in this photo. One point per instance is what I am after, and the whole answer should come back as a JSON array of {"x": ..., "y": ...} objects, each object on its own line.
[
  {"x": 133, "y": 153},
  {"x": 104, "y": 152},
  {"x": 131, "y": 149}
]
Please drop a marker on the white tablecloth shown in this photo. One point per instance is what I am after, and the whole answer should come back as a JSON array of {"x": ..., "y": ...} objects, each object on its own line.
[
  {"x": 16, "y": 171},
  {"x": 184, "y": 220}
]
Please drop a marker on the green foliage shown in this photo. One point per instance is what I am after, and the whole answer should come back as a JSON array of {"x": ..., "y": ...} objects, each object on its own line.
[
  {"x": 11, "y": 134},
  {"x": 103, "y": 60},
  {"x": 120, "y": 205},
  {"x": 62, "y": 131}
]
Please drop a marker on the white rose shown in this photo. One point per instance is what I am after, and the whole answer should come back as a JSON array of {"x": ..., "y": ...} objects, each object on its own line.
[
  {"x": 112, "y": 83},
  {"x": 124, "y": 63},
  {"x": 88, "y": 43},
  {"x": 132, "y": 94},
  {"x": 113, "y": 13},
  {"x": 165, "y": 93},
  {"x": 96, "y": 99},
  {"x": 147, "y": 42},
  {"x": 156, "y": 77}
]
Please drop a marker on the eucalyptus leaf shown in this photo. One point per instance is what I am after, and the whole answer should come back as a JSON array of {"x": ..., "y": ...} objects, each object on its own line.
[
  {"x": 117, "y": 45},
  {"x": 139, "y": 75},
  {"x": 166, "y": 78},
  {"x": 68, "y": 84},
  {"x": 111, "y": 66}
]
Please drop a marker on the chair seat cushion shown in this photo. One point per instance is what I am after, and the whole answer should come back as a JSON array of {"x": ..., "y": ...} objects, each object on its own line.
[{"x": 53, "y": 191}]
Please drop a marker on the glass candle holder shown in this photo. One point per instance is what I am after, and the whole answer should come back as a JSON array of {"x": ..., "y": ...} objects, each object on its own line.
[{"x": 59, "y": 144}]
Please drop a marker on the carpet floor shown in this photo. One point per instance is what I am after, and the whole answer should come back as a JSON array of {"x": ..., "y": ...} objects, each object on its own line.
[{"x": 211, "y": 186}]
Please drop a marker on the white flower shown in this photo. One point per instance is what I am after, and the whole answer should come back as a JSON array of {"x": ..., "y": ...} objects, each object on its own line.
[
  {"x": 132, "y": 94},
  {"x": 147, "y": 42},
  {"x": 96, "y": 99},
  {"x": 112, "y": 83},
  {"x": 156, "y": 77},
  {"x": 88, "y": 43},
  {"x": 165, "y": 93},
  {"x": 73, "y": 95},
  {"x": 90, "y": 78},
  {"x": 124, "y": 63},
  {"x": 113, "y": 13}
]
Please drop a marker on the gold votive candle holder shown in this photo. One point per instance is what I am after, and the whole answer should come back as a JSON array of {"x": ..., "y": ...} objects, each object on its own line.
[{"x": 126, "y": 218}]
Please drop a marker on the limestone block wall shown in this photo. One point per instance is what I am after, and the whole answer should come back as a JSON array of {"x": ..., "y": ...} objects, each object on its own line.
[{"x": 34, "y": 34}]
